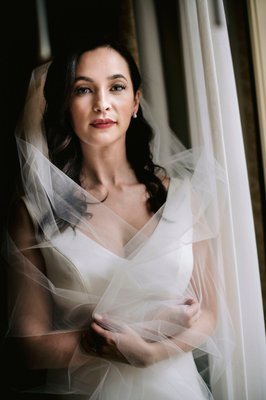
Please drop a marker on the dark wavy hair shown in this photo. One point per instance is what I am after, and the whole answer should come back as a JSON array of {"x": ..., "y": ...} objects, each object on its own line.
[{"x": 63, "y": 143}]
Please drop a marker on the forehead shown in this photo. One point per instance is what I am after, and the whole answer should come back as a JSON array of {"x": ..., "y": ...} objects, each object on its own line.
[{"x": 102, "y": 61}]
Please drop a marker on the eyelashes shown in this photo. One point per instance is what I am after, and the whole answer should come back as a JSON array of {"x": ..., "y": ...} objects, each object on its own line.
[
  {"x": 83, "y": 90},
  {"x": 118, "y": 87},
  {"x": 80, "y": 91}
]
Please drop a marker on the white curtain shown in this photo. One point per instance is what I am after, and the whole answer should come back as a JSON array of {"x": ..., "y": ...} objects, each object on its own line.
[
  {"x": 44, "y": 47},
  {"x": 151, "y": 65},
  {"x": 214, "y": 117}
]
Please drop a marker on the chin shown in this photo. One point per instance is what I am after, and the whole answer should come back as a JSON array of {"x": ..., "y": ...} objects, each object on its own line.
[{"x": 103, "y": 141}]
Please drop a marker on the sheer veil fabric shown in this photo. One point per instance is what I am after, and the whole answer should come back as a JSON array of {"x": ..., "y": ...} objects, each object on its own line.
[{"x": 174, "y": 257}]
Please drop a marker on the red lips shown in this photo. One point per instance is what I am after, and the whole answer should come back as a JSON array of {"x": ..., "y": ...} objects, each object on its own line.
[{"x": 102, "y": 123}]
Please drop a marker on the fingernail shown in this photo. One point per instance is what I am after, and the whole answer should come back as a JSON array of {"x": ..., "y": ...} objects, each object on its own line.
[{"x": 97, "y": 316}]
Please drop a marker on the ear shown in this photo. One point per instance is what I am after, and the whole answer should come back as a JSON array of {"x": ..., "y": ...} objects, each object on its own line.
[{"x": 136, "y": 102}]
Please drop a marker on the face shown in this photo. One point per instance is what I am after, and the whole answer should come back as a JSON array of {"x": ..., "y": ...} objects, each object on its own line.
[{"x": 102, "y": 101}]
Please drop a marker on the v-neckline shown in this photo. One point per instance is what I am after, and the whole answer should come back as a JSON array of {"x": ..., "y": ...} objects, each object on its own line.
[{"x": 138, "y": 232}]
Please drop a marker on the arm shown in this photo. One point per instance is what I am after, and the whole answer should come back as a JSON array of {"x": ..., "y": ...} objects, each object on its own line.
[
  {"x": 198, "y": 323},
  {"x": 31, "y": 302}
]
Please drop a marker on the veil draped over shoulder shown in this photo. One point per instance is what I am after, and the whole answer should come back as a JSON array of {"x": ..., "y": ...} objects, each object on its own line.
[{"x": 174, "y": 257}]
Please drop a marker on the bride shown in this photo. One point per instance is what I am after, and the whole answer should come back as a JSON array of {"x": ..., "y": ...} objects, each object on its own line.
[{"x": 115, "y": 282}]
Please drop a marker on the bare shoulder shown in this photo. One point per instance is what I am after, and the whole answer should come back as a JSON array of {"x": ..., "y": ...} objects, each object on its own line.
[
  {"x": 164, "y": 178},
  {"x": 20, "y": 225},
  {"x": 166, "y": 182}
]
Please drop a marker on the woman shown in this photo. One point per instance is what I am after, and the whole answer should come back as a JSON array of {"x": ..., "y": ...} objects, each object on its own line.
[{"x": 114, "y": 280}]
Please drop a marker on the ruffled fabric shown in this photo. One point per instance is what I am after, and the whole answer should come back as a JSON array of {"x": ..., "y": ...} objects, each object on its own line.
[{"x": 135, "y": 283}]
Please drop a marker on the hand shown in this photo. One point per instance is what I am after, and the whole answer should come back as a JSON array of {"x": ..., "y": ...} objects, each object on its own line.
[
  {"x": 183, "y": 315},
  {"x": 121, "y": 343}
]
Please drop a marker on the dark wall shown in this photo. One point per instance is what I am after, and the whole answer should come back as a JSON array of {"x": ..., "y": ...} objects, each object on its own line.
[
  {"x": 18, "y": 59},
  {"x": 67, "y": 19}
]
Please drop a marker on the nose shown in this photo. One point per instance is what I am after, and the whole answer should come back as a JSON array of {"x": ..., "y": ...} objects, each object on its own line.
[{"x": 101, "y": 103}]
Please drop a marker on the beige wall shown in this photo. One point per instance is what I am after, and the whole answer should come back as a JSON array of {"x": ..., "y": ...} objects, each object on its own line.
[{"x": 257, "y": 23}]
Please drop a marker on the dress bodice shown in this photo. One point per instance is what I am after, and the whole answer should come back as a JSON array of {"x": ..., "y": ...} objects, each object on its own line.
[
  {"x": 77, "y": 262},
  {"x": 155, "y": 272}
]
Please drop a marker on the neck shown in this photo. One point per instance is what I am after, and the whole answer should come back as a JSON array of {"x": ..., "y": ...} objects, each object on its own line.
[{"x": 107, "y": 166}]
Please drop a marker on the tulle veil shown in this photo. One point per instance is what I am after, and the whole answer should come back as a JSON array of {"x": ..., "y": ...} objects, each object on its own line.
[{"x": 145, "y": 282}]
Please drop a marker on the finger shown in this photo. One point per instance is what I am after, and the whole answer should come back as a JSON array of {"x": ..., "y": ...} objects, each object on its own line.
[
  {"x": 107, "y": 324},
  {"x": 184, "y": 311},
  {"x": 194, "y": 320},
  {"x": 193, "y": 309},
  {"x": 101, "y": 331},
  {"x": 198, "y": 314},
  {"x": 191, "y": 301}
]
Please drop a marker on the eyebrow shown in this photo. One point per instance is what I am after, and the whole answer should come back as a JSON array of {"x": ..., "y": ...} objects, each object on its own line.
[{"x": 88, "y": 79}]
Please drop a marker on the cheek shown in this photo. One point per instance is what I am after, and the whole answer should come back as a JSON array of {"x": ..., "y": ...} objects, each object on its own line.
[
  {"x": 78, "y": 108},
  {"x": 126, "y": 108},
  {"x": 78, "y": 112}
]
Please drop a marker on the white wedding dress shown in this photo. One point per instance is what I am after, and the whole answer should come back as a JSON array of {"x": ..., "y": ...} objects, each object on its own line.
[
  {"x": 85, "y": 275},
  {"x": 101, "y": 264}
]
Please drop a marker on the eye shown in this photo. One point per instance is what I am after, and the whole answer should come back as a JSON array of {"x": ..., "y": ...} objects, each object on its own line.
[
  {"x": 81, "y": 90},
  {"x": 118, "y": 87}
]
